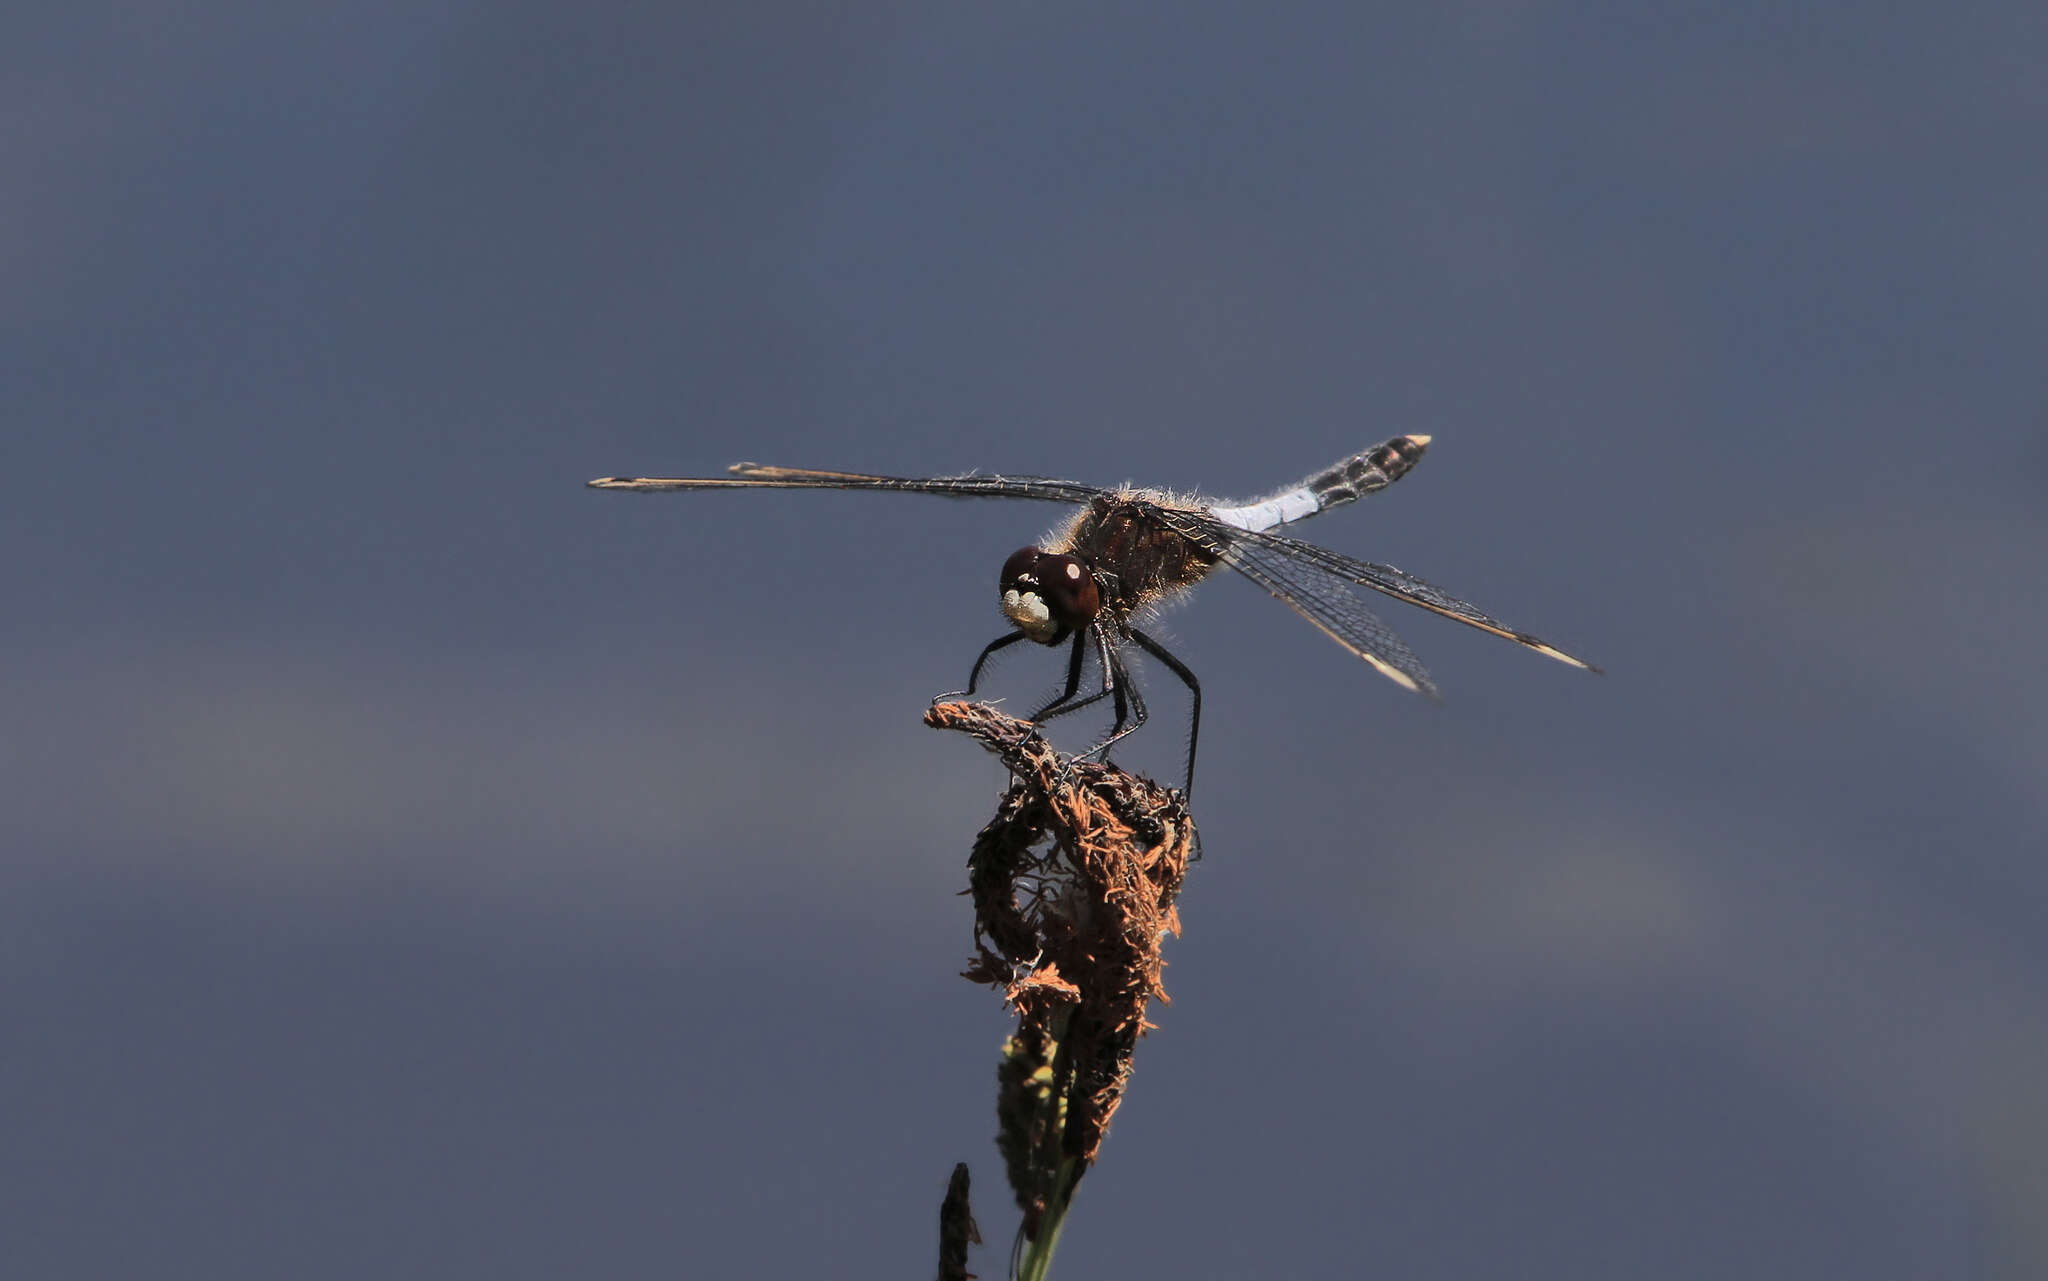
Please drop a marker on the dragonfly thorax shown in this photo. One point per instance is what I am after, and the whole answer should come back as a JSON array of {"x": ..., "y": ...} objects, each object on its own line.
[{"x": 1048, "y": 596}]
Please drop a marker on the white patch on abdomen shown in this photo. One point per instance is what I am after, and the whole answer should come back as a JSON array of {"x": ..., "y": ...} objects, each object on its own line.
[{"x": 1270, "y": 512}]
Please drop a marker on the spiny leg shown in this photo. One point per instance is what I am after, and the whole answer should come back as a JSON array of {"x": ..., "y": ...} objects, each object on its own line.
[
  {"x": 1073, "y": 683},
  {"x": 1059, "y": 707},
  {"x": 1074, "y": 706},
  {"x": 1116, "y": 679},
  {"x": 974, "y": 677},
  {"x": 1187, "y": 678},
  {"x": 1130, "y": 704},
  {"x": 1109, "y": 686}
]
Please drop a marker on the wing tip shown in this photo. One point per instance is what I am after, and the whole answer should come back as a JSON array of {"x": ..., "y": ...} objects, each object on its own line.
[
  {"x": 1413, "y": 682},
  {"x": 1551, "y": 651}
]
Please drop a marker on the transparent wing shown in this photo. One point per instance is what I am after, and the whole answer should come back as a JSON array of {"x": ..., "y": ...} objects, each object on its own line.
[
  {"x": 1333, "y": 606},
  {"x": 1391, "y": 581},
  {"x": 757, "y": 476},
  {"x": 1325, "y": 599}
]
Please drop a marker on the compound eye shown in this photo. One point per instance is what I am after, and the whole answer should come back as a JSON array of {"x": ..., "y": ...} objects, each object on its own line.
[
  {"x": 1023, "y": 564},
  {"x": 1069, "y": 589}
]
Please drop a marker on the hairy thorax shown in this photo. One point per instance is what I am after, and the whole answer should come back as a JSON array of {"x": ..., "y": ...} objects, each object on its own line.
[{"x": 1125, "y": 530}]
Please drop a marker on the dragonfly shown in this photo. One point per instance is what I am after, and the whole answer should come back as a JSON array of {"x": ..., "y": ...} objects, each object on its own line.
[{"x": 1129, "y": 549}]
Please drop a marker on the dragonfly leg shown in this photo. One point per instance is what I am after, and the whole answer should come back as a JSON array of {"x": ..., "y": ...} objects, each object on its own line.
[
  {"x": 1130, "y": 704},
  {"x": 1063, "y": 704},
  {"x": 974, "y": 677},
  {"x": 1187, "y": 678},
  {"x": 1117, "y": 678},
  {"x": 1112, "y": 685}
]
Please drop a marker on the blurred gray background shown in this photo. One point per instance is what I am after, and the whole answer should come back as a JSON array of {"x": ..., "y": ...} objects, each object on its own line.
[{"x": 413, "y": 864}]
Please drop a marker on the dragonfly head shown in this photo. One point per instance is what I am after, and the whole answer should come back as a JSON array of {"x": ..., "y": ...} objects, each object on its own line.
[{"x": 1048, "y": 597}]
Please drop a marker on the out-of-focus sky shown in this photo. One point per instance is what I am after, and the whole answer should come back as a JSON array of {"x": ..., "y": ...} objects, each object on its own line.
[{"x": 414, "y": 864}]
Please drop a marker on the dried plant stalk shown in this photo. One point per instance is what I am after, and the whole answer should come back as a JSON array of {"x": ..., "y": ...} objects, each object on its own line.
[
  {"x": 1073, "y": 882},
  {"x": 957, "y": 1229}
]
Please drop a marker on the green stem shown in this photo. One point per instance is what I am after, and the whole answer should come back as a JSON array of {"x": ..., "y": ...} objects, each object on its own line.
[{"x": 1037, "y": 1256}]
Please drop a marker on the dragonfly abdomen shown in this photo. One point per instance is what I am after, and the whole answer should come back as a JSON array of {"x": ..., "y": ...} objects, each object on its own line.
[{"x": 1345, "y": 481}]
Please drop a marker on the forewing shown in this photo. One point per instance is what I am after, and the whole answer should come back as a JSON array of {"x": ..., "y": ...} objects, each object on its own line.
[{"x": 757, "y": 476}]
